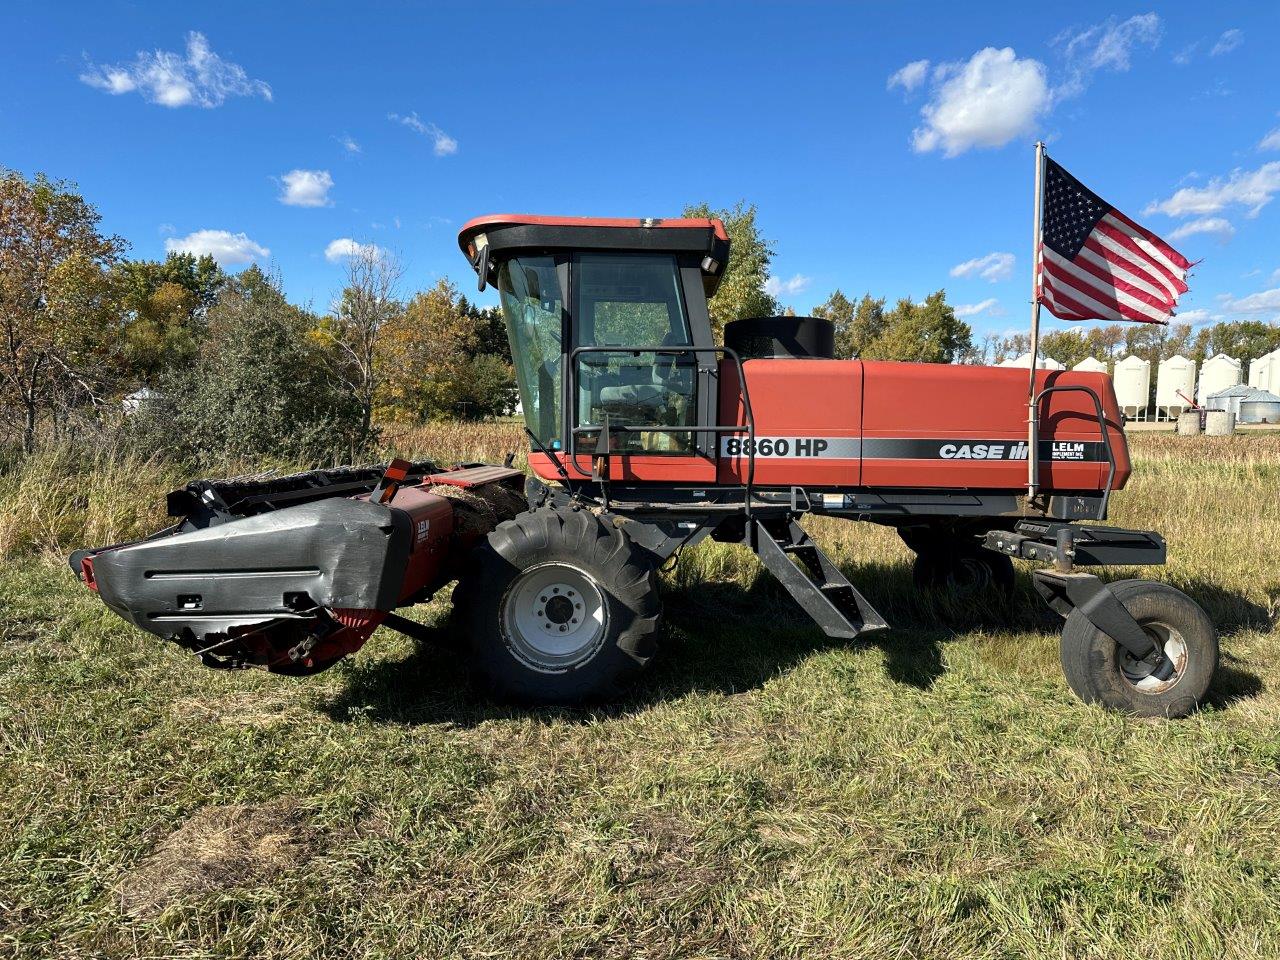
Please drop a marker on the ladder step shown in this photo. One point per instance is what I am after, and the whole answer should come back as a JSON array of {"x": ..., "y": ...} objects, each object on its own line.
[{"x": 831, "y": 600}]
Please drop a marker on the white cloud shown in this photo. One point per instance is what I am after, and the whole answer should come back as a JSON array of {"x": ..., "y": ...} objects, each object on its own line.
[
  {"x": 1194, "y": 317},
  {"x": 1265, "y": 301},
  {"x": 1271, "y": 141},
  {"x": 984, "y": 102},
  {"x": 201, "y": 78},
  {"x": 992, "y": 268},
  {"x": 1109, "y": 45},
  {"x": 910, "y": 76},
  {"x": 1219, "y": 227},
  {"x": 994, "y": 96},
  {"x": 1186, "y": 54},
  {"x": 1227, "y": 42},
  {"x": 348, "y": 144},
  {"x": 345, "y": 247},
  {"x": 306, "y": 188},
  {"x": 787, "y": 288},
  {"x": 229, "y": 249},
  {"x": 443, "y": 144},
  {"x": 973, "y": 309},
  {"x": 1252, "y": 189}
]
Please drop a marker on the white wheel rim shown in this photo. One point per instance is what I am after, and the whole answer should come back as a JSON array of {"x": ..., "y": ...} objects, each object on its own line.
[
  {"x": 1139, "y": 673},
  {"x": 554, "y": 617}
]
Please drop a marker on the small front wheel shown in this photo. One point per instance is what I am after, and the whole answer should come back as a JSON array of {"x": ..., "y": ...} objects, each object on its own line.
[
  {"x": 1099, "y": 670},
  {"x": 559, "y": 607}
]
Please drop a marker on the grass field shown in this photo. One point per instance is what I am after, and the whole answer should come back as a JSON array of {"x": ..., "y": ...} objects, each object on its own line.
[{"x": 764, "y": 792}]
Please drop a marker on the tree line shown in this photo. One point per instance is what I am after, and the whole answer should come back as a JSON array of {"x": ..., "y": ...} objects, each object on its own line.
[{"x": 217, "y": 365}]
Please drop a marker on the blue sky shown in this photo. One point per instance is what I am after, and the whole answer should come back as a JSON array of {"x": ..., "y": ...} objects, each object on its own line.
[{"x": 888, "y": 146}]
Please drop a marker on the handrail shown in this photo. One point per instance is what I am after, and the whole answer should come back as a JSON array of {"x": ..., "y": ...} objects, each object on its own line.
[
  {"x": 1102, "y": 425},
  {"x": 717, "y": 428}
]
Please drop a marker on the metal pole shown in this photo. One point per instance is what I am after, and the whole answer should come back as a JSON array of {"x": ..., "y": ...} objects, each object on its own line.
[{"x": 1033, "y": 439}]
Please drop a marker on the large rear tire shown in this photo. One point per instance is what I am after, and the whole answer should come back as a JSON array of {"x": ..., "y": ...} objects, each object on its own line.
[
  {"x": 1100, "y": 671},
  {"x": 559, "y": 608},
  {"x": 956, "y": 563}
]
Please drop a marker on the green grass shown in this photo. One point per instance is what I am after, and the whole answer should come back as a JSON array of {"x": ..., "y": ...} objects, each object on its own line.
[{"x": 764, "y": 792}]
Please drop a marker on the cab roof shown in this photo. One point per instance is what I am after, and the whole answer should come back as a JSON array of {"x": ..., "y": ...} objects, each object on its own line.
[{"x": 508, "y": 233}]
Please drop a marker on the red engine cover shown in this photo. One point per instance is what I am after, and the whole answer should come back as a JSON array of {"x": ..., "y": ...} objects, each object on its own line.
[{"x": 915, "y": 425}]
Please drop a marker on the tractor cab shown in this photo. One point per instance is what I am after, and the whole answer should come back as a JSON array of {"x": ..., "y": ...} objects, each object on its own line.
[{"x": 608, "y": 325}]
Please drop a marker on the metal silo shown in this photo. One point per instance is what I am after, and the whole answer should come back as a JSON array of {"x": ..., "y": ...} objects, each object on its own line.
[
  {"x": 1273, "y": 373},
  {"x": 1218, "y": 373},
  {"x": 1132, "y": 380},
  {"x": 1259, "y": 367},
  {"x": 1175, "y": 386},
  {"x": 1024, "y": 361},
  {"x": 1091, "y": 365},
  {"x": 1261, "y": 407},
  {"x": 1229, "y": 398}
]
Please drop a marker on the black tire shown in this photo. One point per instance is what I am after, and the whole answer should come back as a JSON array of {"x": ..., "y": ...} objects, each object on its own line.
[
  {"x": 963, "y": 570},
  {"x": 1100, "y": 671},
  {"x": 547, "y": 564}
]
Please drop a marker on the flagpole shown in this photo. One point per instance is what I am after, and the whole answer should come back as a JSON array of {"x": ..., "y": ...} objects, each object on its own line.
[{"x": 1033, "y": 441}]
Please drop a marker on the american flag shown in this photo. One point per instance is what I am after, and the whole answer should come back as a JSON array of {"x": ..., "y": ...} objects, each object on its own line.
[{"x": 1097, "y": 264}]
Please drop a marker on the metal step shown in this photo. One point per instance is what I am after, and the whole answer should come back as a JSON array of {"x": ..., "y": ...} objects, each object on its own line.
[{"x": 816, "y": 584}]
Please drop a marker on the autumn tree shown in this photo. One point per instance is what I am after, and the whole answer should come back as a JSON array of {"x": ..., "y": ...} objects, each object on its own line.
[
  {"x": 742, "y": 287},
  {"x": 444, "y": 357},
  {"x": 55, "y": 299}
]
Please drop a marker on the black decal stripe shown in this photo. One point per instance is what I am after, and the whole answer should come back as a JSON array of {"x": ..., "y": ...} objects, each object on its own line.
[{"x": 895, "y": 448}]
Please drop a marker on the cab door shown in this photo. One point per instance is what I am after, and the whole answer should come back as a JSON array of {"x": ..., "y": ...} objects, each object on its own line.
[{"x": 623, "y": 305}]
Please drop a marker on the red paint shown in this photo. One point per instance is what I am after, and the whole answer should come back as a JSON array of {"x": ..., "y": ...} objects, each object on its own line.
[{"x": 874, "y": 400}]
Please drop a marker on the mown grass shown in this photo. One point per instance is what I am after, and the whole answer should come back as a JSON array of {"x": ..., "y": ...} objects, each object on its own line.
[{"x": 764, "y": 792}]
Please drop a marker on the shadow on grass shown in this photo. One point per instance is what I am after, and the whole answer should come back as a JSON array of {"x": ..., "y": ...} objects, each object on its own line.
[
  {"x": 1232, "y": 683},
  {"x": 719, "y": 638},
  {"x": 723, "y": 638}
]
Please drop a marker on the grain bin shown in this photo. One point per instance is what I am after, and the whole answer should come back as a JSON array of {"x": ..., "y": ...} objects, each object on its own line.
[
  {"x": 1261, "y": 407},
  {"x": 1218, "y": 373},
  {"x": 1273, "y": 373},
  {"x": 1133, "y": 386},
  {"x": 1175, "y": 386},
  {"x": 1259, "y": 369},
  {"x": 1024, "y": 361},
  {"x": 1228, "y": 400},
  {"x": 1091, "y": 365}
]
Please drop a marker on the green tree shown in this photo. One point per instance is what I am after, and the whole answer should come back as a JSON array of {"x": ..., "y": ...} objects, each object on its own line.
[
  {"x": 259, "y": 386},
  {"x": 857, "y": 325},
  {"x": 56, "y": 300},
  {"x": 163, "y": 305},
  {"x": 927, "y": 332},
  {"x": 742, "y": 288},
  {"x": 1068, "y": 347},
  {"x": 1244, "y": 340}
]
